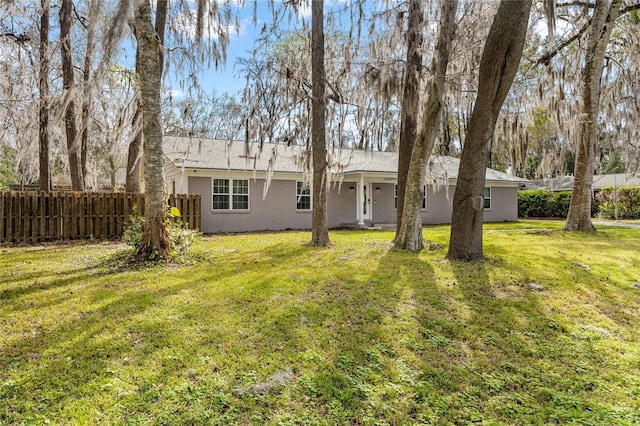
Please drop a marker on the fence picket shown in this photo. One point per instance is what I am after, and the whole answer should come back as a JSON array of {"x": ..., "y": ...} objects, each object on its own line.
[{"x": 31, "y": 216}]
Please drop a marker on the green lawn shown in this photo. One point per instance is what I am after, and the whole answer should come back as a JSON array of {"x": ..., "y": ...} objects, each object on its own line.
[{"x": 263, "y": 329}]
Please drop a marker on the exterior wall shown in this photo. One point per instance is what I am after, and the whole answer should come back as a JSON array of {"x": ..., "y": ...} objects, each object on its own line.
[
  {"x": 439, "y": 205},
  {"x": 278, "y": 210},
  {"x": 382, "y": 203},
  {"x": 341, "y": 206},
  {"x": 173, "y": 174},
  {"x": 504, "y": 205}
]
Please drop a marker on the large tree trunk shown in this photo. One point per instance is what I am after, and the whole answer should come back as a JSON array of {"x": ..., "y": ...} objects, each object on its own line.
[
  {"x": 604, "y": 16},
  {"x": 73, "y": 145},
  {"x": 135, "y": 151},
  {"x": 498, "y": 67},
  {"x": 410, "y": 235},
  {"x": 155, "y": 242},
  {"x": 43, "y": 131},
  {"x": 319, "y": 221},
  {"x": 410, "y": 101}
]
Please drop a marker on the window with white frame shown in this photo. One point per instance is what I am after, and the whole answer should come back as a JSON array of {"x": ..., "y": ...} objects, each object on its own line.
[
  {"x": 424, "y": 197},
  {"x": 303, "y": 196},
  {"x": 487, "y": 198},
  {"x": 230, "y": 194}
]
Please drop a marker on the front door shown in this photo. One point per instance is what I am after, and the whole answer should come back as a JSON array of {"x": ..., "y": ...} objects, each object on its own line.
[{"x": 366, "y": 203}]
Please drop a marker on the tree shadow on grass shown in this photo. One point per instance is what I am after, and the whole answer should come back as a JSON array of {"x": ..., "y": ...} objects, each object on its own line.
[
  {"x": 525, "y": 360},
  {"x": 343, "y": 328},
  {"x": 124, "y": 336},
  {"x": 365, "y": 343}
]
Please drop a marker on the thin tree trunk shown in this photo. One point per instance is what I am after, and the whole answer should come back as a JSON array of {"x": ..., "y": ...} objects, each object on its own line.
[
  {"x": 73, "y": 145},
  {"x": 445, "y": 144},
  {"x": 319, "y": 221},
  {"x": 134, "y": 154},
  {"x": 604, "y": 16},
  {"x": 498, "y": 67},
  {"x": 410, "y": 235},
  {"x": 43, "y": 131},
  {"x": 86, "y": 88},
  {"x": 112, "y": 172},
  {"x": 410, "y": 101},
  {"x": 155, "y": 242}
]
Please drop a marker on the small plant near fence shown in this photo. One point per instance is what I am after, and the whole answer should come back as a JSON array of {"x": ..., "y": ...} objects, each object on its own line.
[{"x": 180, "y": 235}]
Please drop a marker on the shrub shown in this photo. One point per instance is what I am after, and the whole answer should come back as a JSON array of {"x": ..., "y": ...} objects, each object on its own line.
[
  {"x": 132, "y": 234},
  {"x": 543, "y": 203},
  {"x": 620, "y": 203},
  {"x": 559, "y": 204},
  {"x": 180, "y": 236}
]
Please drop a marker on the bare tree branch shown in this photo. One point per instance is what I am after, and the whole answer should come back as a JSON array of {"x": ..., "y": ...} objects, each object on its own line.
[
  {"x": 18, "y": 38},
  {"x": 629, "y": 9},
  {"x": 576, "y": 3},
  {"x": 547, "y": 56}
]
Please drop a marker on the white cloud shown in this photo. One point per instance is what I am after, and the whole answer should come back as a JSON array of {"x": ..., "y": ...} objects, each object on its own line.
[
  {"x": 174, "y": 93},
  {"x": 562, "y": 28}
]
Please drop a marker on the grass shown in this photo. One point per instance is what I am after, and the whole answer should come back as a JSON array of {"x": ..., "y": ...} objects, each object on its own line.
[{"x": 263, "y": 329}]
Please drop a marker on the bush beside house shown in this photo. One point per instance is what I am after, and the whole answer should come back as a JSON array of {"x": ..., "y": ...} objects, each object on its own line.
[
  {"x": 543, "y": 203},
  {"x": 619, "y": 203},
  {"x": 608, "y": 203}
]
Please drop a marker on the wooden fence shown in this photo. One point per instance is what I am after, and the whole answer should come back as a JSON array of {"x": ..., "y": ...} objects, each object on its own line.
[{"x": 30, "y": 216}]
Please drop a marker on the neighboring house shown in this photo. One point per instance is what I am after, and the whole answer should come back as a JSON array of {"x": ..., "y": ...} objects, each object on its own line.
[
  {"x": 565, "y": 183},
  {"x": 245, "y": 187}
]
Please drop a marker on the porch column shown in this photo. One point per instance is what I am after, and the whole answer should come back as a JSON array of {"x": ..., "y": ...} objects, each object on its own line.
[{"x": 359, "y": 201}]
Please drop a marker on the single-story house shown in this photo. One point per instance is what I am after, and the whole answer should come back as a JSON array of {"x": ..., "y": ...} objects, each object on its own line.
[
  {"x": 565, "y": 183},
  {"x": 248, "y": 187}
]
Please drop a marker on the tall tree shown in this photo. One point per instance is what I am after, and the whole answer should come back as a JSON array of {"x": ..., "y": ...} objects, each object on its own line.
[
  {"x": 87, "y": 85},
  {"x": 73, "y": 142},
  {"x": 319, "y": 221},
  {"x": 214, "y": 116},
  {"x": 134, "y": 153},
  {"x": 498, "y": 67},
  {"x": 410, "y": 100},
  {"x": 43, "y": 82},
  {"x": 155, "y": 241},
  {"x": 602, "y": 22},
  {"x": 410, "y": 235}
]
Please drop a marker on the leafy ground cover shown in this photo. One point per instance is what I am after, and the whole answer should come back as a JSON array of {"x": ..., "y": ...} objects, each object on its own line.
[{"x": 263, "y": 329}]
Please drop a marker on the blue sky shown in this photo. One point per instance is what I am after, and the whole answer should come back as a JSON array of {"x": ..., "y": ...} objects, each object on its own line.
[{"x": 227, "y": 78}]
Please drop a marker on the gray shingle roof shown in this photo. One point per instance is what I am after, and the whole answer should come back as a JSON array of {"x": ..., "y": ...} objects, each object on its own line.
[
  {"x": 200, "y": 153},
  {"x": 565, "y": 183}
]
